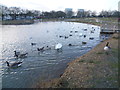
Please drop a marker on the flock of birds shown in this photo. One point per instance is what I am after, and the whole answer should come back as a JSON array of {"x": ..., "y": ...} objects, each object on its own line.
[
  {"x": 58, "y": 47},
  {"x": 17, "y": 54}
]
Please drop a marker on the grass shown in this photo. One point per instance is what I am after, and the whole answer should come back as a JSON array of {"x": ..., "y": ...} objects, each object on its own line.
[
  {"x": 17, "y": 22},
  {"x": 82, "y": 60},
  {"x": 94, "y": 61},
  {"x": 114, "y": 65},
  {"x": 99, "y": 53}
]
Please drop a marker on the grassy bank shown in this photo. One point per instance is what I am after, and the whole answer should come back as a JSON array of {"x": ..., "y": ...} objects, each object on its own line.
[
  {"x": 17, "y": 22},
  {"x": 96, "y": 69}
]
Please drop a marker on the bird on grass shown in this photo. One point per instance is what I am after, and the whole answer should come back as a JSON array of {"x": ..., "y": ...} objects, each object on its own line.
[
  {"x": 107, "y": 48},
  {"x": 13, "y": 65}
]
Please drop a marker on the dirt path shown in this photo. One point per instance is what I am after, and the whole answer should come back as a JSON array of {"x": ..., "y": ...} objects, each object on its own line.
[{"x": 95, "y": 69}]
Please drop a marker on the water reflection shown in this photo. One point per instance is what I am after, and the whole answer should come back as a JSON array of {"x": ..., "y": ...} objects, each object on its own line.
[{"x": 47, "y": 63}]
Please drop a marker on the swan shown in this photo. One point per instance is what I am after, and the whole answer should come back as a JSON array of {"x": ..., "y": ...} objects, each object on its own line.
[
  {"x": 58, "y": 46},
  {"x": 15, "y": 64}
]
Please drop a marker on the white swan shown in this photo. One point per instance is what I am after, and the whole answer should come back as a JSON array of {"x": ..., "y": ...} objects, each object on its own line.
[{"x": 58, "y": 46}]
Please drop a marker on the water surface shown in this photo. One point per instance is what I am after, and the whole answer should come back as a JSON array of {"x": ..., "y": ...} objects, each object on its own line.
[{"x": 48, "y": 64}]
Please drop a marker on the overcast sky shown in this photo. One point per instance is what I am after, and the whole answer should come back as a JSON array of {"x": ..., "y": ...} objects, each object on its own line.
[{"x": 48, "y": 5}]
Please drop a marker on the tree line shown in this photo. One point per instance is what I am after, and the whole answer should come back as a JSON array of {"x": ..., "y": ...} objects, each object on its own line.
[{"x": 14, "y": 13}]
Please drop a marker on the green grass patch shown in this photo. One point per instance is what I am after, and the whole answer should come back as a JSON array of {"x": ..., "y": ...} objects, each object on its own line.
[
  {"x": 94, "y": 61},
  {"x": 99, "y": 53},
  {"x": 115, "y": 37},
  {"x": 114, "y": 65},
  {"x": 82, "y": 60}
]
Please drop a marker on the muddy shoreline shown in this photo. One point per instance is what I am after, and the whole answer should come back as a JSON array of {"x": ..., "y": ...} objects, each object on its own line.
[{"x": 95, "y": 69}]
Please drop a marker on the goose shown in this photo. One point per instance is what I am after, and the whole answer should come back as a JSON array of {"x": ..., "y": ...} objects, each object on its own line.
[
  {"x": 40, "y": 49},
  {"x": 107, "y": 47},
  {"x": 58, "y": 46},
  {"x": 18, "y": 55},
  {"x": 15, "y": 64},
  {"x": 22, "y": 55}
]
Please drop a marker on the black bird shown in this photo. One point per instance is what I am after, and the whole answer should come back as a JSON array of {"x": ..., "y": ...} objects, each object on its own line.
[
  {"x": 84, "y": 42},
  {"x": 40, "y": 49},
  {"x": 33, "y": 44},
  {"x": 66, "y": 37},
  {"x": 15, "y": 64},
  {"x": 84, "y": 36},
  {"x": 70, "y": 44},
  {"x": 16, "y": 53}
]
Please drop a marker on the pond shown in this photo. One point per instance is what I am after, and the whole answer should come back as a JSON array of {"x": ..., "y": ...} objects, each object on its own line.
[{"x": 76, "y": 39}]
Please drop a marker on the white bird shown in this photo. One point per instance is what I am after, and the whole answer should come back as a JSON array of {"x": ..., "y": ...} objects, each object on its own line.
[
  {"x": 58, "y": 46},
  {"x": 15, "y": 64},
  {"x": 80, "y": 34}
]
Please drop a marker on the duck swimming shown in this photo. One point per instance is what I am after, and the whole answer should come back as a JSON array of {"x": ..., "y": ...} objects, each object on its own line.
[
  {"x": 40, "y": 49},
  {"x": 15, "y": 64},
  {"x": 33, "y": 44}
]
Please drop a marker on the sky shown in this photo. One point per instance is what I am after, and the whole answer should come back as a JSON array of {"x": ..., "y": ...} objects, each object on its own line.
[{"x": 49, "y": 5}]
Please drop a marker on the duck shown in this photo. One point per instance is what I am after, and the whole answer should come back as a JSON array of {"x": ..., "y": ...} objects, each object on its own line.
[
  {"x": 40, "y": 49},
  {"x": 33, "y": 44},
  {"x": 107, "y": 47},
  {"x": 70, "y": 35},
  {"x": 91, "y": 38},
  {"x": 84, "y": 42},
  {"x": 15, "y": 64},
  {"x": 84, "y": 36},
  {"x": 18, "y": 55},
  {"x": 70, "y": 44},
  {"x": 66, "y": 37}
]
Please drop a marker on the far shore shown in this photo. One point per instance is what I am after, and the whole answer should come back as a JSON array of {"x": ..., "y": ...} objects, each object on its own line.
[{"x": 17, "y": 22}]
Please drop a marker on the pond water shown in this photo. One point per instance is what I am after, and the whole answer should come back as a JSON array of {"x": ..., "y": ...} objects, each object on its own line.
[{"x": 48, "y": 64}]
